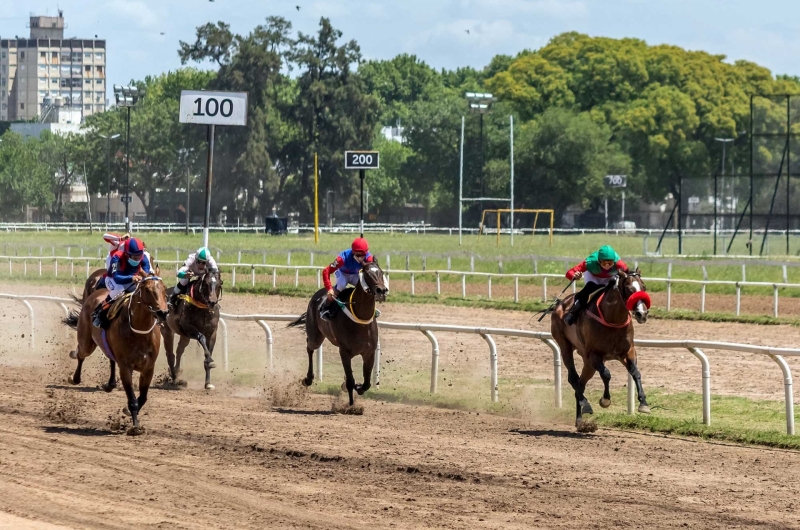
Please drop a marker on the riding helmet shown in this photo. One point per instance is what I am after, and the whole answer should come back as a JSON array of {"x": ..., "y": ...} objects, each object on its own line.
[
  {"x": 606, "y": 253},
  {"x": 203, "y": 254},
  {"x": 360, "y": 245},
  {"x": 134, "y": 247}
]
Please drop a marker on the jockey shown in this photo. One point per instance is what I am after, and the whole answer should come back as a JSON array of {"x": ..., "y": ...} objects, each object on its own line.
[
  {"x": 346, "y": 267},
  {"x": 597, "y": 271},
  {"x": 115, "y": 243},
  {"x": 122, "y": 275},
  {"x": 196, "y": 264}
]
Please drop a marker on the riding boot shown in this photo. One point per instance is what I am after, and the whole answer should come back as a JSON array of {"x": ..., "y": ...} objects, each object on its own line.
[
  {"x": 173, "y": 298},
  {"x": 99, "y": 315},
  {"x": 572, "y": 314}
]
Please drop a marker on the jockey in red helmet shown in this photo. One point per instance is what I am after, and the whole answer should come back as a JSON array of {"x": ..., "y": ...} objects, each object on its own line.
[
  {"x": 345, "y": 268},
  {"x": 122, "y": 275}
]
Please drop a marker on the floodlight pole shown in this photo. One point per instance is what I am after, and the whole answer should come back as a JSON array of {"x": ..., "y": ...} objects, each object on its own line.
[
  {"x": 511, "y": 143},
  {"x": 127, "y": 167},
  {"x": 461, "y": 182}
]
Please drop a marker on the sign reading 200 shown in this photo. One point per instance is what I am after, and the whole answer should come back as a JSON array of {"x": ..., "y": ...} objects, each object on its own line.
[{"x": 361, "y": 160}]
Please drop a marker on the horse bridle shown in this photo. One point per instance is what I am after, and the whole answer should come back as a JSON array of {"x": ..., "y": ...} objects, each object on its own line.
[
  {"x": 214, "y": 279},
  {"x": 152, "y": 311},
  {"x": 362, "y": 280}
]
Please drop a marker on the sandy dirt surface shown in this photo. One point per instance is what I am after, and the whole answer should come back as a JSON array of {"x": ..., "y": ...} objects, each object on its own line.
[{"x": 217, "y": 461}]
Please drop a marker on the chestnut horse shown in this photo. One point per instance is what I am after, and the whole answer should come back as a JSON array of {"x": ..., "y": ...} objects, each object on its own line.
[
  {"x": 132, "y": 340},
  {"x": 197, "y": 320},
  {"x": 352, "y": 328},
  {"x": 603, "y": 332}
]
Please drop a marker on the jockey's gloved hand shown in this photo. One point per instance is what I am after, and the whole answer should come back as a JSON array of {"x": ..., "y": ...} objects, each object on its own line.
[
  {"x": 331, "y": 295},
  {"x": 578, "y": 275}
]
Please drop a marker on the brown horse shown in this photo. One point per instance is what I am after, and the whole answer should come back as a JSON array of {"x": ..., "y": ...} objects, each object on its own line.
[
  {"x": 132, "y": 339},
  {"x": 197, "y": 320},
  {"x": 603, "y": 332},
  {"x": 352, "y": 328}
]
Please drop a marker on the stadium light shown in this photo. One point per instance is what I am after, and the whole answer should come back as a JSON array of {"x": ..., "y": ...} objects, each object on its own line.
[{"x": 127, "y": 97}]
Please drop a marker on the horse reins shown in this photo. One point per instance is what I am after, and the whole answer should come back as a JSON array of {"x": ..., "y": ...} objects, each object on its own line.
[{"x": 130, "y": 300}]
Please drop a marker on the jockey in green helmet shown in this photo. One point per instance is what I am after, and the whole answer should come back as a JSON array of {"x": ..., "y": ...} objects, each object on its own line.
[
  {"x": 196, "y": 264},
  {"x": 596, "y": 270}
]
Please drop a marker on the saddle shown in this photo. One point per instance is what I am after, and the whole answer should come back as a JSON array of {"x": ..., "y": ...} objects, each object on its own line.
[
  {"x": 117, "y": 305},
  {"x": 189, "y": 299}
]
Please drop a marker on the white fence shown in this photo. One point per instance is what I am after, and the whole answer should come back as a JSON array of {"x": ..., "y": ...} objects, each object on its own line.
[
  {"x": 694, "y": 347},
  {"x": 250, "y": 271}
]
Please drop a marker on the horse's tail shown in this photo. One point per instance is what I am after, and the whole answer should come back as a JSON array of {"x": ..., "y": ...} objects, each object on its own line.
[
  {"x": 71, "y": 320},
  {"x": 300, "y": 321},
  {"x": 77, "y": 299}
]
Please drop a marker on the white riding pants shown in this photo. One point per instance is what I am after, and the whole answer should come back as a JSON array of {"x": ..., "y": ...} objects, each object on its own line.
[
  {"x": 589, "y": 277},
  {"x": 343, "y": 279},
  {"x": 115, "y": 289}
]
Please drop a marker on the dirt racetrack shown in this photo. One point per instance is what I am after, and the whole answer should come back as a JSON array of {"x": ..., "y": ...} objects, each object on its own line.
[{"x": 246, "y": 456}]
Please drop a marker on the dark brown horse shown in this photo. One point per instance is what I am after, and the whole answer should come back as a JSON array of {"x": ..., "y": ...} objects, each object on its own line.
[
  {"x": 196, "y": 318},
  {"x": 352, "y": 328},
  {"x": 132, "y": 339},
  {"x": 603, "y": 332}
]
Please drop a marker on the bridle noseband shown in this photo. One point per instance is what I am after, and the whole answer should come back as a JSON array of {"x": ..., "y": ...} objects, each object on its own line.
[{"x": 153, "y": 312}]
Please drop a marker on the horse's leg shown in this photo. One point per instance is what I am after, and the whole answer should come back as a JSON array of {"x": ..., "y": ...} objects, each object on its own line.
[
  {"x": 568, "y": 358},
  {"x": 112, "y": 380},
  {"x": 208, "y": 362},
  {"x": 75, "y": 378},
  {"x": 369, "y": 361},
  {"x": 182, "y": 343},
  {"x": 126, "y": 376},
  {"x": 630, "y": 364},
  {"x": 169, "y": 347},
  {"x": 145, "y": 378},
  {"x": 583, "y": 404},
  {"x": 312, "y": 344},
  {"x": 605, "y": 375},
  {"x": 349, "y": 380}
]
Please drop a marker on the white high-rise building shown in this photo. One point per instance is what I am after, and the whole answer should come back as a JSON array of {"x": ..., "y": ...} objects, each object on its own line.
[{"x": 47, "y": 73}]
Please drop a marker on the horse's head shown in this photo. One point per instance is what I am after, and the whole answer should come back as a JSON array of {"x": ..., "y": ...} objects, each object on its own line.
[
  {"x": 373, "y": 281},
  {"x": 634, "y": 291},
  {"x": 211, "y": 288},
  {"x": 153, "y": 294}
]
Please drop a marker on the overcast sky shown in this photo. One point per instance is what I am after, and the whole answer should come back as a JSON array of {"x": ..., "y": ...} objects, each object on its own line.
[{"x": 764, "y": 31}]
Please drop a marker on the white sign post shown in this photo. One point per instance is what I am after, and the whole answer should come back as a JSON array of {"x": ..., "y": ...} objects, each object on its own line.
[
  {"x": 212, "y": 109},
  {"x": 616, "y": 181}
]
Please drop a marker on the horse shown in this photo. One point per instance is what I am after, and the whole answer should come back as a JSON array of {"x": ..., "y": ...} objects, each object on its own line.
[
  {"x": 195, "y": 317},
  {"x": 352, "y": 329},
  {"x": 132, "y": 340},
  {"x": 603, "y": 332}
]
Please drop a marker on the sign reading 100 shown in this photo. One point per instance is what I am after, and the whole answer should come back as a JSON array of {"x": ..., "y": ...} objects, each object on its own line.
[
  {"x": 361, "y": 159},
  {"x": 213, "y": 108}
]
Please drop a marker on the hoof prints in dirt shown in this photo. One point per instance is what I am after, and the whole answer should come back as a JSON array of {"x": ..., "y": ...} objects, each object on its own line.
[
  {"x": 165, "y": 382},
  {"x": 118, "y": 422},
  {"x": 62, "y": 406},
  {"x": 587, "y": 426},
  {"x": 340, "y": 407}
]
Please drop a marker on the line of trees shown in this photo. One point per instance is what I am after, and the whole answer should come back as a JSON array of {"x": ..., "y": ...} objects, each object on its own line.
[{"x": 584, "y": 107}]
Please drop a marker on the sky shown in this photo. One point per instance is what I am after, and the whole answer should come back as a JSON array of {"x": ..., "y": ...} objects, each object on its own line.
[{"x": 143, "y": 35}]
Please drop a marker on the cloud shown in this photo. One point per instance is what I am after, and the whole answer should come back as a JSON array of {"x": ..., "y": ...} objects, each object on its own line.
[
  {"x": 133, "y": 11},
  {"x": 563, "y": 9}
]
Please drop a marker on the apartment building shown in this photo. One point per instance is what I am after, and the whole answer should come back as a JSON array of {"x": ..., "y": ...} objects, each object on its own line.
[{"x": 48, "y": 68}]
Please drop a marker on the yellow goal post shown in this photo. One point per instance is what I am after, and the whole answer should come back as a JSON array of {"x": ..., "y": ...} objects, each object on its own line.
[{"x": 536, "y": 213}]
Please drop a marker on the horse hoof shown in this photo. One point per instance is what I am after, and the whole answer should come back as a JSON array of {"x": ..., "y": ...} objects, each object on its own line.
[
  {"x": 135, "y": 431},
  {"x": 73, "y": 355},
  {"x": 109, "y": 388},
  {"x": 181, "y": 383},
  {"x": 586, "y": 408},
  {"x": 344, "y": 387},
  {"x": 72, "y": 380},
  {"x": 126, "y": 411},
  {"x": 209, "y": 386},
  {"x": 210, "y": 365},
  {"x": 644, "y": 409},
  {"x": 605, "y": 403},
  {"x": 307, "y": 381}
]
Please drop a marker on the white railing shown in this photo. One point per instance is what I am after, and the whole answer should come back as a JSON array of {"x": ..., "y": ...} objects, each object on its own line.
[
  {"x": 414, "y": 274},
  {"x": 694, "y": 347}
]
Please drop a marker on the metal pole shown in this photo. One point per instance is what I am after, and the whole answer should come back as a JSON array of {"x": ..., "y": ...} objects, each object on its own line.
[
  {"x": 680, "y": 214},
  {"x": 623, "y": 208},
  {"x": 127, "y": 167},
  {"x": 750, "y": 242},
  {"x": 361, "y": 175},
  {"x": 511, "y": 120},
  {"x": 316, "y": 199},
  {"x": 461, "y": 181},
  {"x": 481, "y": 159},
  {"x": 716, "y": 199},
  {"x": 108, "y": 172},
  {"x": 188, "y": 197},
  {"x": 788, "y": 166},
  {"x": 210, "y": 173},
  {"x": 605, "y": 208}
]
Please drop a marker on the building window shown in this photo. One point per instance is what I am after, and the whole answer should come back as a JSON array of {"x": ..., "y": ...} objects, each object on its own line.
[
  {"x": 87, "y": 55},
  {"x": 5, "y": 106},
  {"x": 100, "y": 70},
  {"x": 98, "y": 56},
  {"x": 3, "y": 55},
  {"x": 99, "y": 81},
  {"x": 42, "y": 80},
  {"x": 3, "y": 81},
  {"x": 54, "y": 81},
  {"x": 22, "y": 55},
  {"x": 87, "y": 107},
  {"x": 22, "y": 106},
  {"x": 43, "y": 55},
  {"x": 87, "y": 69},
  {"x": 54, "y": 56}
]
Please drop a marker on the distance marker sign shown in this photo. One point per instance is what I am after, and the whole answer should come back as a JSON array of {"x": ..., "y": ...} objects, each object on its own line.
[
  {"x": 361, "y": 159},
  {"x": 213, "y": 108}
]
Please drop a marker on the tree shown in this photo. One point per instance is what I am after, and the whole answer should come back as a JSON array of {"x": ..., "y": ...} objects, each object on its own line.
[
  {"x": 24, "y": 179},
  {"x": 61, "y": 155}
]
